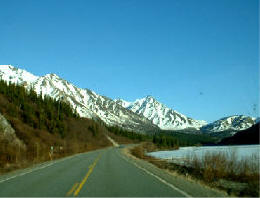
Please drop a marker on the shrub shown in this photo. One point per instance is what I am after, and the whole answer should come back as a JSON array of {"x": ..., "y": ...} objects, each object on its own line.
[
  {"x": 215, "y": 166},
  {"x": 138, "y": 152}
]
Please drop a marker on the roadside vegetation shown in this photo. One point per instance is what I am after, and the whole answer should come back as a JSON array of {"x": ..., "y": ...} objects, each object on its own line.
[
  {"x": 49, "y": 129},
  {"x": 219, "y": 170},
  {"x": 223, "y": 168}
]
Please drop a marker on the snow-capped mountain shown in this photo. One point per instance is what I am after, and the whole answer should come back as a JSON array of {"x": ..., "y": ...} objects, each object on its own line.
[
  {"x": 142, "y": 115},
  {"x": 236, "y": 123},
  {"x": 86, "y": 102},
  {"x": 160, "y": 115}
]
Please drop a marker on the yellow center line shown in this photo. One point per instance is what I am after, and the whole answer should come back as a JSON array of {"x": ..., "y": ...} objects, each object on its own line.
[
  {"x": 72, "y": 189},
  {"x": 91, "y": 167}
]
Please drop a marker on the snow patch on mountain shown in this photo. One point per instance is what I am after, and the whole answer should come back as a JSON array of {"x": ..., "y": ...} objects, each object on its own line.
[
  {"x": 160, "y": 115},
  {"x": 14, "y": 75}
]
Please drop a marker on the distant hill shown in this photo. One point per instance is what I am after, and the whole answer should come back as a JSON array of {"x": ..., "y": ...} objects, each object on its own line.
[
  {"x": 233, "y": 123},
  {"x": 248, "y": 136}
]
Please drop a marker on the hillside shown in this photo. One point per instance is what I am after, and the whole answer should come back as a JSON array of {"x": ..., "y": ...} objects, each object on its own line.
[{"x": 45, "y": 127}]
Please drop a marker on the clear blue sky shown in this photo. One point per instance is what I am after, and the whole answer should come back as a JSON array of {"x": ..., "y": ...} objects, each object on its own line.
[{"x": 199, "y": 57}]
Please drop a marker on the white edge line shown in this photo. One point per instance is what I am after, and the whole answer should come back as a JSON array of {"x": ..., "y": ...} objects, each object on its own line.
[
  {"x": 35, "y": 169},
  {"x": 159, "y": 178},
  {"x": 25, "y": 173}
]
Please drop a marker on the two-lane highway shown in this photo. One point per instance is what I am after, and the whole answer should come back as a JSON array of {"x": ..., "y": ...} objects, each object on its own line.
[{"x": 100, "y": 173}]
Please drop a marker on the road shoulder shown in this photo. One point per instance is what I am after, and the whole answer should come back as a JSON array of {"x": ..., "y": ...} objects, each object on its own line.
[{"x": 190, "y": 187}]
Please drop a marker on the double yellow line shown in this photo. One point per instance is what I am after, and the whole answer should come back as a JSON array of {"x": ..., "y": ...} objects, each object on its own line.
[{"x": 77, "y": 187}]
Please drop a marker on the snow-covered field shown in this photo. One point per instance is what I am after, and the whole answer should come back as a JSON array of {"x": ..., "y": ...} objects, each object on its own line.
[{"x": 241, "y": 151}]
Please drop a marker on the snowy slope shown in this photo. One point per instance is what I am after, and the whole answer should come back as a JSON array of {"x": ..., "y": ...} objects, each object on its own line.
[
  {"x": 86, "y": 102},
  {"x": 160, "y": 115},
  {"x": 236, "y": 122}
]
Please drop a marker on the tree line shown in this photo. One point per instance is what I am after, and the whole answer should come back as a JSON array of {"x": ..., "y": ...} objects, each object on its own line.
[
  {"x": 159, "y": 139},
  {"x": 164, "y": 139}
]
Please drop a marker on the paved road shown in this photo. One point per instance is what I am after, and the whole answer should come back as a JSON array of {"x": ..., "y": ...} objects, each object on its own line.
[{"x": 100, "y": 173}]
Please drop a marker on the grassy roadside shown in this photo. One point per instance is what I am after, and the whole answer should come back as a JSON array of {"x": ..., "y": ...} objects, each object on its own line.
[
  {"x": 243, "y": 183},
  {"x": 40, "y": 152}
]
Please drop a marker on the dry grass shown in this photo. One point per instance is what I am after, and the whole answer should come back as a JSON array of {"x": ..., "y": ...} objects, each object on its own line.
[
  {"x": 225, "y": 165},
  {"x": 214, "y": 168},
  {"x": 138, "y": 151},
  {"x": 39, "y": 142}
]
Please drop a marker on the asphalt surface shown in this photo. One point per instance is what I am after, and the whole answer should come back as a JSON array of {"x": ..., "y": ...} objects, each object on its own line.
[{"x": 101, "y": 173}]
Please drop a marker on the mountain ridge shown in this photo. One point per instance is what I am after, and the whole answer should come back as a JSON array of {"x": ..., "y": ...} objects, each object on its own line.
[{"x": 143, "y": 115}]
